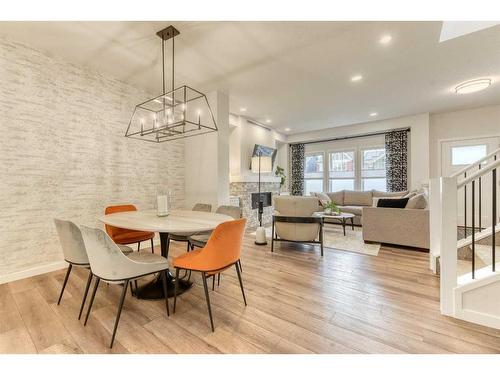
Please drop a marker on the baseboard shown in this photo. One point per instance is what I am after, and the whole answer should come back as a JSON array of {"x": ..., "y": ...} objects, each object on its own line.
[{"x": 55, "y": 266}]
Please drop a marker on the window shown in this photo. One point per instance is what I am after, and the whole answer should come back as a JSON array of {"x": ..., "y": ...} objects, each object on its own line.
[
  {"x": 465, "y": 155},
  {"x": 373, "y": 169},
  {"x": 342, "y": 170},
  {"x": 313, "y": 173}
]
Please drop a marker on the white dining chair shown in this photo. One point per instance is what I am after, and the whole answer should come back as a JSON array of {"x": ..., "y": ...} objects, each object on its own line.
[
  {"x": 109, "y": 264},
  {"x": 75, "y": 254}
]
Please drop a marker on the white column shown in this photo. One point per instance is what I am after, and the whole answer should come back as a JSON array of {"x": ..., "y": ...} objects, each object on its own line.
[
  {"x": 448, "y": 244},
  {"x": 434, "y": 222},
  {"x": 207, "y": 159}
]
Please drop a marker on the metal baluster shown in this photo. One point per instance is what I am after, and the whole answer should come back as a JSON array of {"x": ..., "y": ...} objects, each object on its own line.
[
  {"x": 480, "y": 189},
  {"x": 493, "y": 216},
  {"x": 473, "y": 229},
  {"x": 465, "y": 207}
]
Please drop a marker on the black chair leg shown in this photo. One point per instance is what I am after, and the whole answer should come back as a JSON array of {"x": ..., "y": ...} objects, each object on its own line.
[
  {"x": 85, "y": 294},
  {"x": 96, "y": 284},
  {"x": 241, "y": 283},
  {"x": 239, "y": 263},
  {"x": 176, "y": 286},
  {"x": 218, "y": 279},
  {"x": 152, "y": 247},
  {"x": 64, "y": 283},
  {"x": 138, "y": 246},
  {"x": 165, "y": 289},
  {"x": 207, "y": 297},
  {"x": 213, "y": 281},
  {"x": 122, "y": 300}
]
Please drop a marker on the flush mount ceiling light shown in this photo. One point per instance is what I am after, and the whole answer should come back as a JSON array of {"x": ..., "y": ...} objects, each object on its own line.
[
  {"x": 287, "y": 129},
  {"x": 179, "y": 113},
  {"x": 356, "y": 78},
  {"x": 474, "y": 85},
  {"x": 268, "y": 121},
  {"x": 243, "y": 109},
  {"x": 373, "y": 114},
  {"x": 385, "y": 39}
]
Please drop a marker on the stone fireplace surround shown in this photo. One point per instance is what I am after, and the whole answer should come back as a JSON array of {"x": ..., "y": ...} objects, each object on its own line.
[{"x": 244, "y": 190}]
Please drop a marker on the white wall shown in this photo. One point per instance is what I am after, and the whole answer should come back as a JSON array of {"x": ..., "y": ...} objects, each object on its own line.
[
  {"x": 419, "y": 141},
  {"x": 207, "y": 159},
  {"x": 63, "y": 154},
  {"x": 464, "y": 124},
  {"x": 243, "y": 137}
]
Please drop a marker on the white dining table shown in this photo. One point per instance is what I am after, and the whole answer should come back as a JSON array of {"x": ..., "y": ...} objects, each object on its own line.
[{"x": 183, "y": 222}]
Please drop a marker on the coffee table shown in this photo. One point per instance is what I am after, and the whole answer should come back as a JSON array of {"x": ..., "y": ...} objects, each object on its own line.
[{"x": 341, "y": 218}]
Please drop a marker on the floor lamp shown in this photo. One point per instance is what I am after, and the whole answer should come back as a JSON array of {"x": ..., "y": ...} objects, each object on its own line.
[{"x": 261, "y": 164}]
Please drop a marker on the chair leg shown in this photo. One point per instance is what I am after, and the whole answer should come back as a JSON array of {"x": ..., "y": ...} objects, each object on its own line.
[
  {"x": 239, "y": 263},
  {"x": 165, "y": 289},
  {"x": 122, "y": 299},
  {"x": 241, "y": 283},
  {"x": 96, "y": 284},
  {"x": 213, "y": 281},
  {"x": 152, "y": 247},
  {"x": 85, "y": 294},
  {"x": 64, "y": 283},
  {"x": 138, "y": 246},
  {"x": 207, "y": 297},
  {"x": 321, "y": 237},
  {"x": 272, "y": 237},
  {"x": 188, "y": 247},
  {"x": 176, "y": 286},
  {"x": 218, "y": 279}
]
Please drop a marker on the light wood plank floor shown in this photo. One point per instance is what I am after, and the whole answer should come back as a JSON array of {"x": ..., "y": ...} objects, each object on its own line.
[{"x": 298, "y": 302}]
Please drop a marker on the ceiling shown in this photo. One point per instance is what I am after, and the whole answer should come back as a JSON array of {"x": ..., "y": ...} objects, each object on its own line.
[{"x": 297, "y": 74}]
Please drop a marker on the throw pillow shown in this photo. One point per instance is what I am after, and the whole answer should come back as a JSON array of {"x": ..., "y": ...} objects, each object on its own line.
[
  {"x": 392, "y": 203},
  {"x": 323, "y": 199},
  {"x": 417, "y": 202},
  {"x": 375, "y": 200}
]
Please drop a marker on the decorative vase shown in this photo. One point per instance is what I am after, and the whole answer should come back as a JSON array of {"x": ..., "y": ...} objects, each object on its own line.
[{"x": 162, "y": 203}]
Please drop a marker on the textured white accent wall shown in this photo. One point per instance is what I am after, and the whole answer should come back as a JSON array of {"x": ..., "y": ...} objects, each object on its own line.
[{"x": 63, "y": 153}]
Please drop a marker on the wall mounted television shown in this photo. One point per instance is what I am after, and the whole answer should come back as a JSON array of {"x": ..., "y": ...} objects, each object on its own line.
[{"x": 264, "y": 151}]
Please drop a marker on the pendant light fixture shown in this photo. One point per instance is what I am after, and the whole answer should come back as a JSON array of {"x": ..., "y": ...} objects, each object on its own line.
[{"x": 179, "y": 113}]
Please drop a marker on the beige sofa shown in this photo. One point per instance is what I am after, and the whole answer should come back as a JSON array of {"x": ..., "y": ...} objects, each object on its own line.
[
  {"x": 399, "y": 226},
  {"x": 354, "y": 201}
]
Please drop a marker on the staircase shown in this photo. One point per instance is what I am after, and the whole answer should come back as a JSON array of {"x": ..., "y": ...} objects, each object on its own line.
[{"x": 469, "y": 266}]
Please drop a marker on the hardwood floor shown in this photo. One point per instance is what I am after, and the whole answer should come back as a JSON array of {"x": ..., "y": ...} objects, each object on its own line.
[{"x": 298, "y": 302}]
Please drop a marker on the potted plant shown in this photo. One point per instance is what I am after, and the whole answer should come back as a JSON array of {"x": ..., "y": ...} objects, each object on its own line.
[
  {"x": 331, "y": 208},
  {"x": 280, "y": 172}
]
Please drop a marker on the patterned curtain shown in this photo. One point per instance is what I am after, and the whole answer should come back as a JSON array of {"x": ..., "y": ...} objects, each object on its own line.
[
  {"x": 396, "y": 165},
  {"x": 297, "y": 152}
]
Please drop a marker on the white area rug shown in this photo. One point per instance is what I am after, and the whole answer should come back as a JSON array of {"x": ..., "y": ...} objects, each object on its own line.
[{"x": 333, "y": 237}]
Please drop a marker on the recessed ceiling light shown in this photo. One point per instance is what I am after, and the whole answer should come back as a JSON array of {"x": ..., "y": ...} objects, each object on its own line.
[
  {"x": 373, "y": 114},
  {"x": 243, "y": 109},
  {"x": 287, "y": 129},
  {"x": 356, "y": 78},
  {"x": 473, "y": 86},
  {"x": 385, "y": 39},
  {"x": 268, "y": 121}
]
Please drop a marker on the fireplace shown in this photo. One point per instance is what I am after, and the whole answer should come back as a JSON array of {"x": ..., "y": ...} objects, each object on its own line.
[{"x": 265, "y": 197}]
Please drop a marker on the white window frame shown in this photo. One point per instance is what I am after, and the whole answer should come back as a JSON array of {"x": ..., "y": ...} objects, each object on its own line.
[
  {"x": 325, "y": 163},
  {"x": 361, "y": 152},
  {"x": 327, "y": 169}
]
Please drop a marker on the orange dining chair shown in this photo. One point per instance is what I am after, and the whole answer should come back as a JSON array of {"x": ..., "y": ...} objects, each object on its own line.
[
  {"x": 123, "y": 236},
  {"x": 222, "y": 251}
]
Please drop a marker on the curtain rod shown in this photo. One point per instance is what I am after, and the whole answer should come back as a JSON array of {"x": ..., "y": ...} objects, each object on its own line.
[{"x": 352, "y": 136}]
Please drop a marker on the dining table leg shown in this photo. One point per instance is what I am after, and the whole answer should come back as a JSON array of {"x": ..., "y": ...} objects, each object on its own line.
[{"x": 154, "y": 289}]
